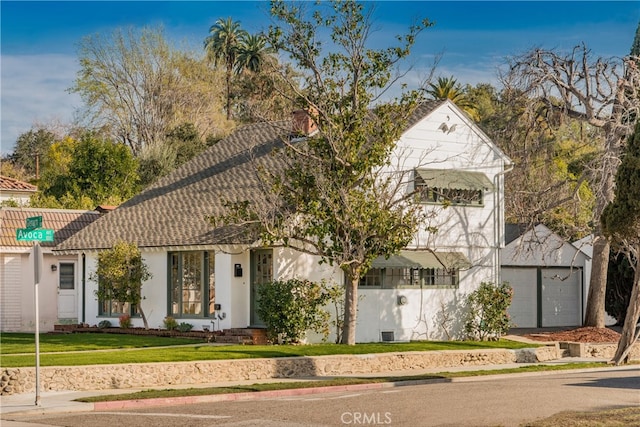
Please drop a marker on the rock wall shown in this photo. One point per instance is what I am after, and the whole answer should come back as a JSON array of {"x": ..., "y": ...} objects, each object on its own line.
[{"x": 126, "y": 376}]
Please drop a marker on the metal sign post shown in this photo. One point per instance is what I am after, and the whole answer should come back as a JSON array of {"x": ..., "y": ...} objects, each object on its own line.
[
  {"x": 34, "y": 232},
  {"x": 37, "y": 271}
]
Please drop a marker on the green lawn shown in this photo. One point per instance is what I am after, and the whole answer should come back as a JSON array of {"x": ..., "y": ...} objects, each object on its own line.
[
  {"x": 131, "y": 349},
  {"x": 15, "y": 343}
]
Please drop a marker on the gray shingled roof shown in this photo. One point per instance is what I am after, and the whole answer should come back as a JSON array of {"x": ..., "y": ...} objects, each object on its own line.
[
  {"x": 65, "y": 224},
  {"x": 174, "y": 210}
]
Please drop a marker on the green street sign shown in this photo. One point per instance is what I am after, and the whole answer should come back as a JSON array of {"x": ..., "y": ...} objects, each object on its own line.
[
  {"x": 34, "y": 222},
  {"x": 41, "y": 235}
]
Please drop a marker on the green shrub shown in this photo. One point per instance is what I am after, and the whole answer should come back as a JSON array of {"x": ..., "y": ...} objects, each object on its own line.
[
  {"x": 104, "y": 324},
  {"x": 184, "y": 327},
  {"x": 292, "y": 307},
  {"x": 487, "y": 317},
  {"x": 170, "y": 323}
]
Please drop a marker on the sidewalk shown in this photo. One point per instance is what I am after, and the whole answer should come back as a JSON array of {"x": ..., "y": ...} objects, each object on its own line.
[{"x": 63, "y": 401}]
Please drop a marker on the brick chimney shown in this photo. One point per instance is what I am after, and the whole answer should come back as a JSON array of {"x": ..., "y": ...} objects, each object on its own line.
[{"x": 303, "y": 123}]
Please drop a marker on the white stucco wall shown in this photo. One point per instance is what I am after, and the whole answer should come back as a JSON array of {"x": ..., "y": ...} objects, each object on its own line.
[{"x": 17, "y": 290}]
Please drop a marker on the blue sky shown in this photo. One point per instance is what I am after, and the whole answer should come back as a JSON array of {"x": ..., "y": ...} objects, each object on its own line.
[{"x": 38, "y": 40}]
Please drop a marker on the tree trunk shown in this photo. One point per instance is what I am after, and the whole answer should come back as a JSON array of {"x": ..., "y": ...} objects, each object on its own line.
[
  {"x": 350, "y": 309},
  {"x": 629, "y": 333},
  {"x": 228, "y": 93},
  {"x": 595, "y": 313},
  {"x": 144, "y": 318}
]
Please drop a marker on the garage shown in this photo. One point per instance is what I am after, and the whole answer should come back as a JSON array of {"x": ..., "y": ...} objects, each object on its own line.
[
  {"x": 544, "y": 297},
  {"x": 546, "y": 274}
]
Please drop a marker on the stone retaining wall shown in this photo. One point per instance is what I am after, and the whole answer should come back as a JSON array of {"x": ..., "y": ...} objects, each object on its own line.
[
  {"x": 125, "y": 376},
  {"x": 601, "y": 351}
]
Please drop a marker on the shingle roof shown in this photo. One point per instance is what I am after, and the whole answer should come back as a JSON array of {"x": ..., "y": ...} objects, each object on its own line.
[
  {"x": 11, "y": 184},
  {"x": 175, "y": 210},
  {"x": 65, "y": 223}
]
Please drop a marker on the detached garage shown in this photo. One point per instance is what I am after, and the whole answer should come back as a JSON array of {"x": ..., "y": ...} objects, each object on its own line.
[{"x": 546, "y": 274}]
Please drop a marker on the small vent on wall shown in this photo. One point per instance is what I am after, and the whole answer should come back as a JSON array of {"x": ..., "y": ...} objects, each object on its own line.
[{"x": 387, "y": 336}]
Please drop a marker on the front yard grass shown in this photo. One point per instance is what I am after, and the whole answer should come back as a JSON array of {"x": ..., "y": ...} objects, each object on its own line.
[
  {"x": 117, "y": 349},
  {"x": 16, "y": 343}
]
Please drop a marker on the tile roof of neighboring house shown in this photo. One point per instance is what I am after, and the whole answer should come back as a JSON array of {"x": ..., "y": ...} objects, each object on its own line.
[
  {"x": 174, "y": 210},
  {"x": 11, "y": 184},
  {"x": 65, "y": 223}
]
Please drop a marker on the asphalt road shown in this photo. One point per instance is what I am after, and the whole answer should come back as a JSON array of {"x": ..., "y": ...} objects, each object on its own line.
[{"x": 479, "y": 401}]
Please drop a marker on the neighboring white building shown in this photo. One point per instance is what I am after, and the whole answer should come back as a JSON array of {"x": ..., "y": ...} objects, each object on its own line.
[
  {"x": 61, "y": 275},
  {"x": 15, "y": 191},
  {"x": 204, "y": 275}
]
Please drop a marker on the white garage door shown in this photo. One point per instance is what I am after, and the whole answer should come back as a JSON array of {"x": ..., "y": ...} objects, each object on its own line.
[
  {"x": 561, "y": 297},
  {"x": 524, "y": 306}
]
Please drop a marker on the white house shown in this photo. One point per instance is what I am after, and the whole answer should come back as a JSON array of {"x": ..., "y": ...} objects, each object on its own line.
[
  {"x": 15, "y": 191},
  {"x": 204, "y": 275},
  {"x": 60, "y": 279}
]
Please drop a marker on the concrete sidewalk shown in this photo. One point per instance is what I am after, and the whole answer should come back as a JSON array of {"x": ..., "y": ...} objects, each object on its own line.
[{"x": 53, "y": 402}]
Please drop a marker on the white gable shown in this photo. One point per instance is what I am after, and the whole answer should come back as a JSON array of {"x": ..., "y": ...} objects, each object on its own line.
[
  {"x": 447, "y": 139},
  {"x": 542, "y": 247}
]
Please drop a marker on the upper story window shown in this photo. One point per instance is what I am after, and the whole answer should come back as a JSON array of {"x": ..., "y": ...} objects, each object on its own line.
[
  {"x": 416, "y": 269},
  {"x": 445, "y": 186}
]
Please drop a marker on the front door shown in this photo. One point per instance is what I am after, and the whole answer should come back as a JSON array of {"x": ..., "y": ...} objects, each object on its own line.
[
  {"x": 67, "y": 306},
  {"x": 261, "y": 272}
]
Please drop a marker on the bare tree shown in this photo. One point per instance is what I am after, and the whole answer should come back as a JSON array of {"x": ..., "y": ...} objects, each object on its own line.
[
  {"x": 137, "y": 86},
  {"x": 600, "y": 92}
]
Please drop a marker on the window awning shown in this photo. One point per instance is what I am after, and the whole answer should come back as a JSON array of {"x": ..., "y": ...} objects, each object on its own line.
[
  {"x": 423, "y": 259},
  {"x": 447, "y": 178}
]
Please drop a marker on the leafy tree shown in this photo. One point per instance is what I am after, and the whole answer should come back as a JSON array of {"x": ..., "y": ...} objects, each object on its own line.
[
  {"x": 223, "y": 47},
  {"x": 186, "y": 142},
  {"x": 334, "y": 199},
  {"x": 292, "y": 307},
  {"x": 120, "y": 274},
  {"x": 619, "y": 286},
  {"x": 30, "y": 149},
  {"x": 87, "y": 173},
  {"x": 621, "y": 222}
]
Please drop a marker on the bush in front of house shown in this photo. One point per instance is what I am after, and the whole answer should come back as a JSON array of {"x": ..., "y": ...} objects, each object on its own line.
[
  {"x": 290, "y": 308},
  {"x": 104, "y": 324},
  {"x": 170, "y": 323},
  {"x": 487, "y": 318},
  {"x": 184, "y": 327},
  {"x": 125, "y": 321}
]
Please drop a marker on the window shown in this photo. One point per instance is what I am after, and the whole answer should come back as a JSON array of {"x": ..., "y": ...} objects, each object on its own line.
[
  {"x": 402, "y": 277},
  {"x": 438, "y": 277},
  {"x": 451, "y": 187},
  {"x": 191, "y": 284},
  {"x": 372, "y": 279},
  {"x": 113, "y": 308},
  {"x": 67, "y": 277}
]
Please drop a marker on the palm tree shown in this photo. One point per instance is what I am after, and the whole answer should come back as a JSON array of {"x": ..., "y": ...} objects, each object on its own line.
[
  {"x": 222, "y": 46},
  {"x": 253, "y": 53},
  {"x": 449, "y": 88}
]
